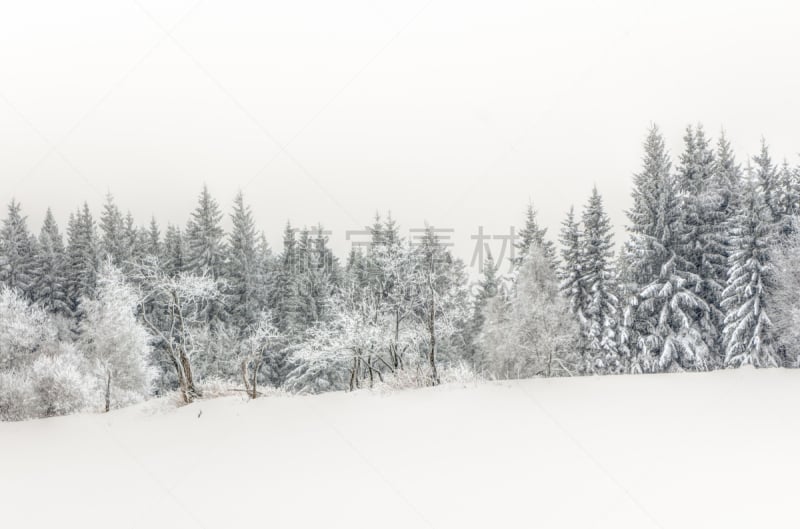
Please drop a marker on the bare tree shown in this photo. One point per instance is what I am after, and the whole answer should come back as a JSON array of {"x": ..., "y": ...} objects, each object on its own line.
[
  {"x": 442, "y": 299},
  {"x": 172, "y": 308},
  {"x": 262, "y": 338}
]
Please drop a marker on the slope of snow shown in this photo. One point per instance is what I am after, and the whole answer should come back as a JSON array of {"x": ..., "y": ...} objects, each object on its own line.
[{"x": 670, "y": 451}]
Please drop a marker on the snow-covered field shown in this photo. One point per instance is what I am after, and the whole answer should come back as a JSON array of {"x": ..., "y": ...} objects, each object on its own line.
[{"x": 672, "y": 451}]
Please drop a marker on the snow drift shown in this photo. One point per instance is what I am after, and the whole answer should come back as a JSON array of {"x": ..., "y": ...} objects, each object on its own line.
[{"x": 690, "y": 450}]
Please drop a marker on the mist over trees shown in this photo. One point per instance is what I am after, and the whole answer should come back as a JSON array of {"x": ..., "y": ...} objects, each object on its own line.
[{"x": 108, "y": 312}]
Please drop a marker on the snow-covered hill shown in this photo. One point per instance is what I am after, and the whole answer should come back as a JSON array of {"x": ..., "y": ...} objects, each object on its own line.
[{"x": 670, "y": 451}]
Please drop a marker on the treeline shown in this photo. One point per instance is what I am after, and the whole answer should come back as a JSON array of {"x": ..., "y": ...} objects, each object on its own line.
[
  {"x": 218, "y": 309},
  {"x": 118, "y": 312}
]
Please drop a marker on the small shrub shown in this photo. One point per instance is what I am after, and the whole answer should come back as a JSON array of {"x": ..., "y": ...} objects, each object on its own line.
[
  {"x": 58, "y": 385},
  {"x": 16, "y": 396}
]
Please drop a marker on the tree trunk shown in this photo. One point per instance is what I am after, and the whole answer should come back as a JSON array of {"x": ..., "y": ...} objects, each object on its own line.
[
  {"x": 432, "y": 354},
  {"x": 254, "y": 378},
  {"x": 432, "y": 331},
  {"x": 244, "y": 377},
  {"x": 396, "y": 343},
  {"x": 353, "y": 373},
  {"x": 181, "y": 378},
  {"x": 108, "y": 390},
  {"x": 191, "y": 391}
]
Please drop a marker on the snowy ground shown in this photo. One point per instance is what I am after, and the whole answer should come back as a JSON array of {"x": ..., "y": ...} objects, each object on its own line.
[{"x": 670, "y": 451}]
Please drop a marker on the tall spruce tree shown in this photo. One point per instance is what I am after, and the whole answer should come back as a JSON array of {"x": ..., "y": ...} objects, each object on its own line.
[
  {"x": 571, "y": 272},
  {"x": 114, "y": 241},
  {"x": 174, "y": 251},
  {"x": 285, "y": 296},
  {"x": 703, "y": 232},
  {"x": 637, "y": 267},
  {"x": 646, "y": 216},
  {"x": 205, "y": 246},
  {"x": 243, "y": 271},
  {"x": 82, "y": 257},
  {"x": 140, "y": 248},
  {"x": 17, "y": 247},
  {"x": 137, "y": 241},
  {"x": 748, "y": 329},
  {"x": 317, "y": 276},
  {"x": 266, "y": 268},
  {"x": 728, "y": 185},
  {"x": 727, "y": 177},
  {"x": 767, "y": 184},
  {"x": 50, "y": 285},
  {"x": 531, "y": 234},
  {"x": 597, "y": 275},
  {"x": 154, "y": 246},
  {"x": 628, "y": 296},
  {"x": 788, "y": 197},
  {"x": 487, "y": 288}
]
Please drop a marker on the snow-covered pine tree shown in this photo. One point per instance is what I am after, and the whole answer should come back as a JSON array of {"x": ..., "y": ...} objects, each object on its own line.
[
  {"x": 670, "y": 320},
  {"x": 601, "y": 311},
  {"x": 204, "y": 238},
  {"x": 637, "y": 267},
  {"x": 531, "y": 234},
  {"x": 17, "y": 251},
  {"x": 82, "y": 260},
  {"x": 703, "y": 231},
  {"x": 788, "y": 197},
  {"x": 284, "y": 298},
  {"x": 140, "y": 250},
  {"x": 154, "y": 246},
  {"x": 324, "y": 273},
  {"x": 645, "y": 219},
  {"x": 114, "y": 242},
  {"x": 138, "y": 240},
  {"x": 376, "y": 231},
  {"x": 305, "y": 278},
  {"x": 727, "y": 183},
  {"x": 50, "y": 284},
  {"x": 174, "y": 251},
  {"x": 748, "y": 329},
  {"x": 727, "y": 177},
  {"x": 206, "y": 253},
  {"x": 355, "y": 268},
  {"x": 391, "y": 231},
  {"x": 571, "y": 271},
  {"x": 266, "y": 268},
  {"x": 766, "y": 175},
  {"x": 487, "y": 287},
  {"x": 243, "y": 272},
  {"x": 628, "y": 295},
  {"x": 316, "y": 276}
]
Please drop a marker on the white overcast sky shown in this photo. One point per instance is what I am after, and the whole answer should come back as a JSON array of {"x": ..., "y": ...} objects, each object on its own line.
[{"x": 450, "y": 112}]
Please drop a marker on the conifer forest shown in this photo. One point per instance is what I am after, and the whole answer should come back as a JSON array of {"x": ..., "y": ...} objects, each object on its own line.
[{"x": 102, "y": 310}]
